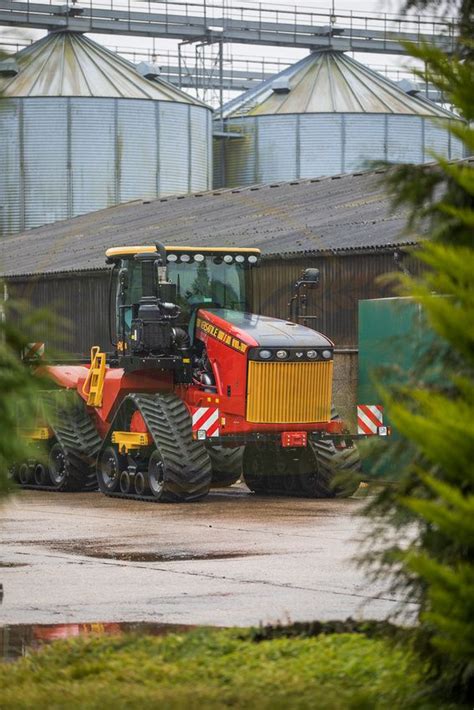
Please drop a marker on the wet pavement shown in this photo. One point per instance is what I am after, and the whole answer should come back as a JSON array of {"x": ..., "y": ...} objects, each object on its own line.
[{"x": 232, "y": 559}]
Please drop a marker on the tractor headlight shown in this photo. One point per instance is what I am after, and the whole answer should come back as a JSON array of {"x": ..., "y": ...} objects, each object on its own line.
[
  {"x": 312, "y": 354},
  {"x": 326, "y": 354},
  {"x": 282, "y": 354},
  {"x": 265, "y": 354}
]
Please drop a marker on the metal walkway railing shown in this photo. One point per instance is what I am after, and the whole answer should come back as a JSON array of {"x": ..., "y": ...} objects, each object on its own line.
[{"x": 245, "y": 23}]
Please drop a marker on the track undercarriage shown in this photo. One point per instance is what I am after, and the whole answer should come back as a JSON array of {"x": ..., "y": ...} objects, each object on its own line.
[
  {"x": 67, "y": 445},
  {"x": 169, "y": 465},
  {"x": 172, "y": 467}
]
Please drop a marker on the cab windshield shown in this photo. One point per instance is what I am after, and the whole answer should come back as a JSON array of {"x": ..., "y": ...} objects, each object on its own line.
[
  {"x": 208, "y": 279},
  {"x": 212, "y": 280}
]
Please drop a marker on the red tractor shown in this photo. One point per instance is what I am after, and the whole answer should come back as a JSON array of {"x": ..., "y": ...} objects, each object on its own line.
[{"x": 198, "y": 392}]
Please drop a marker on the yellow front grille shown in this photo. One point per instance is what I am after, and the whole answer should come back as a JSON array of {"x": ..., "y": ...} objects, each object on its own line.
[{"x": 289, "y": 392}]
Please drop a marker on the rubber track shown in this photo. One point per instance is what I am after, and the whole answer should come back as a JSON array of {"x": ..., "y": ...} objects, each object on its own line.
[
  {"x": 329, "y": 462},
  {"x": 333, "y": 462},
  {"x": 74, "y": 430},
  {"x": 226, "y": 465},
  {"x": 187, "y": 464}
]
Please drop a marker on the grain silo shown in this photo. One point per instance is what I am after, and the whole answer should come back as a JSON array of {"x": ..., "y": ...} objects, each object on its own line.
[
  {"x": 81, "y": 129},
  {"x": 325, "y": 115}
]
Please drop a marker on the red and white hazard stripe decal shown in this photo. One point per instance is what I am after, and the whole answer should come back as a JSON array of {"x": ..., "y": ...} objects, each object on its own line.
[
  {"x": 206, "y": 419},
  {"x": 33, "y": 351},
  {"x": 369, "y": 418}
]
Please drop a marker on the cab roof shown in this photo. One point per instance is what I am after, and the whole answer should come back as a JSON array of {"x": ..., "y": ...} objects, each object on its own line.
[{"x": 124, "y": 252}]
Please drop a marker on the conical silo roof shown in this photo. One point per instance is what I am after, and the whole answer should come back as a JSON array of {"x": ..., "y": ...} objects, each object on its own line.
[
  {"x": 329, "y": 81},
  {"x": 70, "y": 64}
]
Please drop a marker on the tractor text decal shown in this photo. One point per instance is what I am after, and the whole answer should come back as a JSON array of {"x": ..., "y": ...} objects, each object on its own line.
[{"x": 221, "y": 335}]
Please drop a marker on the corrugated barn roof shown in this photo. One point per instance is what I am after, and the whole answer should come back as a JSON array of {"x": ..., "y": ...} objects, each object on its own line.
[
  {"x": 70, "y": 64},
  {"x": 329, "y": 82},
  {"x": 340, "y": 213}
]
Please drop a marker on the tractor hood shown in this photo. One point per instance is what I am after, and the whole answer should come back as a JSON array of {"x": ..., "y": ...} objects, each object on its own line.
[{"x": 263, "y": 331}]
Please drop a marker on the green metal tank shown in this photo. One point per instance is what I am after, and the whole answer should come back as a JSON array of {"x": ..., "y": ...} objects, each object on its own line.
[{"x": 396, "y": 347}]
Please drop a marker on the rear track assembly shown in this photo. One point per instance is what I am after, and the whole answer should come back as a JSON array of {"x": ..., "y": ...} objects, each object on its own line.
[{"x": 71, "y": 451}]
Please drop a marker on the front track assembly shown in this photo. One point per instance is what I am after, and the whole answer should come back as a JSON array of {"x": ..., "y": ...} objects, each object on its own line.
[{"x": 170, "y": 467}]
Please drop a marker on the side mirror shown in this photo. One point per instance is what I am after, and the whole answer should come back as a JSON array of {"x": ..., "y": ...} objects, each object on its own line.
[
  {"x": 311, "y": 275},
  {"x": 309, "y": 278}
]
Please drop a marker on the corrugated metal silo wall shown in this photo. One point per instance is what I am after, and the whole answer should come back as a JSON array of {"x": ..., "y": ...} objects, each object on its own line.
[
  {"x": 293, "y": 146},
  {"x": 62, "y": 157}
]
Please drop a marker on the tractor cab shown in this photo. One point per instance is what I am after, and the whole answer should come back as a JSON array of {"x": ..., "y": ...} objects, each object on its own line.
[{"x": 158, "y": 293}]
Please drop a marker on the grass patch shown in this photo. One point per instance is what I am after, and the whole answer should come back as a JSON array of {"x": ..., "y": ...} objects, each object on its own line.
[{"x": 213, "y": 669}]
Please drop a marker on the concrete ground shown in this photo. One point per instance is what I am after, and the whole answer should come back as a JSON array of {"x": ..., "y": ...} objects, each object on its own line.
[{"x": 233, "y": 559}]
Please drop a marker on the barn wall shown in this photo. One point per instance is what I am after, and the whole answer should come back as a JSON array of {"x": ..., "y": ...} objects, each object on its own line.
[
  {"x": 78, "y": 303},
  {"x": 332, "y": 308},
  {"x": 82, "y": 297}
]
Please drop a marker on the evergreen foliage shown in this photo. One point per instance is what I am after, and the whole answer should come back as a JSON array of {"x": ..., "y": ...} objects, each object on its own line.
[
  {"x": 20, "y": 387},
  {"x": 435, "y": 493}
]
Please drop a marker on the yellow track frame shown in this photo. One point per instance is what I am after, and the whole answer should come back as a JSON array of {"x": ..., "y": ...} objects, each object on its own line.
[
  {"x": 41, "y": 433},
  {"x": 128, "y": 440}
]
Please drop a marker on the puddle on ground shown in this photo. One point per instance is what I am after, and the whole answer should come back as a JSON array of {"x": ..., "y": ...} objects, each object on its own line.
[
  {"x": 156, "y": 557},
  {"x": 18, "y": 640},
  {"x": 89, "y": 548}
]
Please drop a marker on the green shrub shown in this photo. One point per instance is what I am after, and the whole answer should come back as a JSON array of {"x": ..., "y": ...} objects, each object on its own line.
[
  {"x": 215, "y": 669},
  {"x": 435, "y": 494}
]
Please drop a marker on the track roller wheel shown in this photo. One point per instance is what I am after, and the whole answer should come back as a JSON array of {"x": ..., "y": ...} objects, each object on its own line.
[
  {"x": 12, "y": 473},
  {"x": 156, "y": 476},
  {"x": 108, "y": 470},
  {"x": 57, "y": 466},
  {"x": 125, "y": 482},
  {"x": 141, "y": 483},
  {"x": 226, "y": 465},
  {"x": 41, "y": 475},
  {"x": 25, "y": 474}
]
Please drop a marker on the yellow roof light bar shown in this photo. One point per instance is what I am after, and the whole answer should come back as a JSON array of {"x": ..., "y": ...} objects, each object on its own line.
[{"x": 115, "y": 252}]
